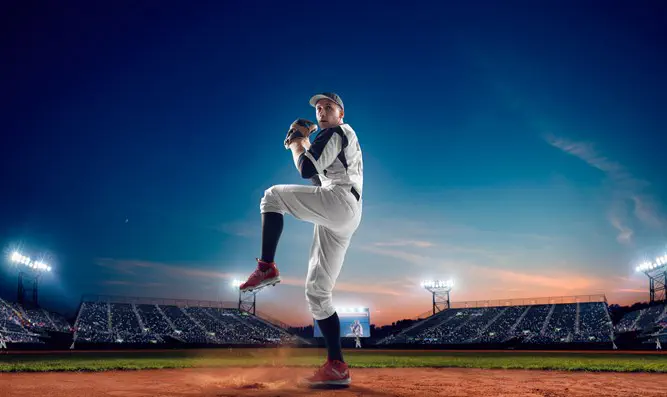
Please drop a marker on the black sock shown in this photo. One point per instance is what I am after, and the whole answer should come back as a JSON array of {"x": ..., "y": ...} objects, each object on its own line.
[
  {"x": 330, "y": 328},
  {"x": 272, "y": 227}
]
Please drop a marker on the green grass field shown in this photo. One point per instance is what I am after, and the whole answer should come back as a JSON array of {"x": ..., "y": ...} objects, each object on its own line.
[{"x": 84, "y": 361}]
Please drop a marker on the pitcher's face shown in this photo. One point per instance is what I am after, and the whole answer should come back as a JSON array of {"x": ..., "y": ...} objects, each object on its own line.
[{"x": 329, "y": 114}]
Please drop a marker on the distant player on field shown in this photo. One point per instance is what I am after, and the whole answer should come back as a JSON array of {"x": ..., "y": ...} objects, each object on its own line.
[{"x": 358, "y": 332}]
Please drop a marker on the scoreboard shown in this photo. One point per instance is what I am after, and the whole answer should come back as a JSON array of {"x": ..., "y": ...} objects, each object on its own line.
[{"x": 353, "y": 322}]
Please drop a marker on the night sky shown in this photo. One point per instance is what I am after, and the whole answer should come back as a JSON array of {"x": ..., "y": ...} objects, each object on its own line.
[{"x": 516, "y": 148}]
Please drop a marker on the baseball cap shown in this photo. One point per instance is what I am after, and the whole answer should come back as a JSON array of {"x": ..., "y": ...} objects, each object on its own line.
[{"x": 327, "y": 95}]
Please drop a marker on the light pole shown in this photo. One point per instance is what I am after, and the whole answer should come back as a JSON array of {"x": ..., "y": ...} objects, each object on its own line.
[
  {"x": 30, "y": 269},
  {"x": 440, "y": 291},
  {"x": 656, "y": 271},
  {"x": 247, "y": 300}
]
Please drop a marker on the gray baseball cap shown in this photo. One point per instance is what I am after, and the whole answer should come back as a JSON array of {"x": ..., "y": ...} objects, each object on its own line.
[{"x": 327, "y": 95}]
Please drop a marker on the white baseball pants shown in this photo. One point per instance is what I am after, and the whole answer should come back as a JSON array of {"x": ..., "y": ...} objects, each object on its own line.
[{"x": 336, "y": 214}]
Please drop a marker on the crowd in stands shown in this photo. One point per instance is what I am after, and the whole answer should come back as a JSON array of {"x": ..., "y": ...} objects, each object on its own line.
[
  {"x": 538, "y": 324},
  {"x": 594, "y": 324},
  {"x": 643, "y": 320},
  {"x": 19, "y": 324},
  {"x": 93, "y": 323},
  {"x": 129, "y": 323},
  {"x": 497, "y": 331}
]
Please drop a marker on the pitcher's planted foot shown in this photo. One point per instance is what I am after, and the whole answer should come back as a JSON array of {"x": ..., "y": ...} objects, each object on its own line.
[{"x": 333, "y": 373}]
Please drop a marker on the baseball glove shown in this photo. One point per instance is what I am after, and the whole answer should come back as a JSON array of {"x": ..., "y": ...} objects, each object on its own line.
[{"x": 300, "y": 128}]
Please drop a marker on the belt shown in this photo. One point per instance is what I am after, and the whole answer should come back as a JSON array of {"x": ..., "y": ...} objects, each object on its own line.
[{"x": 354, "y": 193}]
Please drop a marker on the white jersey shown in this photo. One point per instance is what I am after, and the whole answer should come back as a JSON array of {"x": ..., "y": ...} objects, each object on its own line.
[{"x": 336, "y": 155}]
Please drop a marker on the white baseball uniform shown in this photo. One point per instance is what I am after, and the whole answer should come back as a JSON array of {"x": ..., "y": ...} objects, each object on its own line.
[
  {"x": 358, "y": 332},
  {"x": 357, "y": 329},
  {"x": 334, "y": 207}
]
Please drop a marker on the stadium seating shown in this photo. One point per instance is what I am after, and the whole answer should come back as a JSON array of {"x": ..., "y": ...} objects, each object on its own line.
[
  {"x": 594, "y": 324},
  {"x": 126, "y": 323},
  {"x": 93, "y": 323},
  {"x": 498, "y": 330},
  {"x": 24, "y": 325},
  {"x": 538, "y": 324},
  {"x": 643, "y": 319}
]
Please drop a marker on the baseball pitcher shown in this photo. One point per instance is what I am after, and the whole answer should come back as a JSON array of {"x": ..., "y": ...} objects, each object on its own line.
[{"x": 333, "y": 162}]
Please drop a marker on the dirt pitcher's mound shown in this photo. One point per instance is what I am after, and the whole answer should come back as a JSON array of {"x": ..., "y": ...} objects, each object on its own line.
[{"x": 226, "y": 382}]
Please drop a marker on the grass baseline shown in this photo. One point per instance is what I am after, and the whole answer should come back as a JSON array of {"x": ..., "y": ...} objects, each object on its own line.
[{"x": 246, "y": 357}]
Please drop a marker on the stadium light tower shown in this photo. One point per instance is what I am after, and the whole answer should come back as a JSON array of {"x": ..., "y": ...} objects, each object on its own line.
[
  {"x": 440, "y": 291},
  {"x": 31, "y": 269},
  {"x": 656, "y": 271},
  {"x": 247, "y": 300}
]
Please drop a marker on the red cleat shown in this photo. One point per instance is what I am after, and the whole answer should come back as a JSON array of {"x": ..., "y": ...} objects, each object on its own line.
[
  {"x": 332, "y": 373},
  {"x": 261, "y": 278}
]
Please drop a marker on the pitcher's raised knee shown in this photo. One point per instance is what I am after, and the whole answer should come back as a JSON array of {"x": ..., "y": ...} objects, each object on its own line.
[
  {"x": 271, "y": 201},
  {"x": 320, "y": 304}
]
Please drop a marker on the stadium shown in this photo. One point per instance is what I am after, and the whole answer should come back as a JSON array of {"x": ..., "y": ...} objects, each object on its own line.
[
  {"x": 576, "y": 334},
  {"x": 462, "y": 198}
]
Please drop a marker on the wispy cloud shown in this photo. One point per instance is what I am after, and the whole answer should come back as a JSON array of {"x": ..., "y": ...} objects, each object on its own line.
[
  {"x": 624, "y": 235},
  {"x": 586, "y": 152},
  {"x": 420, "y": 251},
  {"x": 632, "y": 290},
  {"x": 412, "y": 258},
  {"x": 127, "y": 266},
  {"x": 566, "y": 281},
  {"x": 376, "y": 288},
  {"x": 404, "y": 243},
  {"x": 626, "y": 189},
  {"x": 646, "y": 210},
  {"x": 130, "y": 283},
  {"x": 123, "y": 266},
  {"x": 555, "y": 278}
]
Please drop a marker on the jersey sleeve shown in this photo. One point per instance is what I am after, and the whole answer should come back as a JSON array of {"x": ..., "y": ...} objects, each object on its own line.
[
  {"x": 306, "y": 168},
  {"x": 326, "y": 147}
]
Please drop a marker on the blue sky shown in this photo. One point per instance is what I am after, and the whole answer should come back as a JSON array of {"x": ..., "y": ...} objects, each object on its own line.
[{"x": 516, "y": 148}]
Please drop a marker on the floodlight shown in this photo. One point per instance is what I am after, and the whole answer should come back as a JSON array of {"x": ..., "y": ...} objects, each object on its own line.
[
  {"x": 18, "y": 258},
  {"x": 440, "y": 290},
  {"x": 657, "y": 282},
  {"x": 25, "y": 260},
  {"x": 236, "y": 283}
]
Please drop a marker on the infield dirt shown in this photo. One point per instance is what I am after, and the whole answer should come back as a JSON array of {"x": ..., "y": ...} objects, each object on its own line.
[{"x": 281, "y": 381}]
